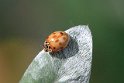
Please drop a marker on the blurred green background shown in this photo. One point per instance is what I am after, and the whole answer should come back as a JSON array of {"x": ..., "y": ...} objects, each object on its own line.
[{"x": 24, "y": 25}]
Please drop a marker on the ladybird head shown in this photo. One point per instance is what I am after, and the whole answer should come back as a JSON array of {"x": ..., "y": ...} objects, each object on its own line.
[{"x": 47, "y": 47}]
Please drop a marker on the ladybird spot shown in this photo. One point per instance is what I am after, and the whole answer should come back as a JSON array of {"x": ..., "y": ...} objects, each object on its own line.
[
  {"x": 60, "y": 44},
  {"x": 61, "y": 33},
  {"x": 64, "y": 38},
  {"x": 54, "y": 36},
  {"x": 57, "y": 40},
  {"x": 54, "y": 48}
]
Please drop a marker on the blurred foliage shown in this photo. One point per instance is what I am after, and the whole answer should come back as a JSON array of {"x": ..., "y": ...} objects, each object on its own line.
[{"x": 24, "y": 24}]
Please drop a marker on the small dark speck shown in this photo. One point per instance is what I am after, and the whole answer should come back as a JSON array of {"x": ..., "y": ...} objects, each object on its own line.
[
  {"x": 61, "y": 33},
  {"x": 46, "y": 46}
]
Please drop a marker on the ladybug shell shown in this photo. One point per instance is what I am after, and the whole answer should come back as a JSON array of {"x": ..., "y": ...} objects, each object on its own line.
[{"x": 57, "y": 41}]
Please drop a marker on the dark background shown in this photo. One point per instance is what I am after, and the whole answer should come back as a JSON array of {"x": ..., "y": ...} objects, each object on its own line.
[{"x": 24, "y": 25}]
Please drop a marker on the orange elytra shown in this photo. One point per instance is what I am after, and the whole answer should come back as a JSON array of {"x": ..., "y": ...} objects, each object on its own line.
[{"x": 56, "y": 41}]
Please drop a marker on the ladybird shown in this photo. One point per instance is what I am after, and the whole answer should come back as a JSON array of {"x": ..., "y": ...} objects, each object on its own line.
[{"x": 56, "y": 41}]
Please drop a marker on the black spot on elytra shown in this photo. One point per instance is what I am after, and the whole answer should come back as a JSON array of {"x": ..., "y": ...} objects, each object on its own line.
[
  {"x": 54, "y": 48},
  {"x": 60, "y": 43},
  {"x": 61, "y": 33}
]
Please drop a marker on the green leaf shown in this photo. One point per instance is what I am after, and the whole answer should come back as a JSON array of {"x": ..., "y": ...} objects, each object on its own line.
[{"x": 71, "y": 65}]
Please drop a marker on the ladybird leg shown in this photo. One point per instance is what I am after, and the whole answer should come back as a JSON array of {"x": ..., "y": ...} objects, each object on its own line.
[
  {"x": 61, "y": 48},
  {"x": 50, "y": 50},
  {"x": 43, "y": 46},
  {"x": 45, "y": 50}
]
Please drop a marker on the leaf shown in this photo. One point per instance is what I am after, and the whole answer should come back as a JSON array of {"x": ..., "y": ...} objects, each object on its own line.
[{"x": 71, "y": 65}]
